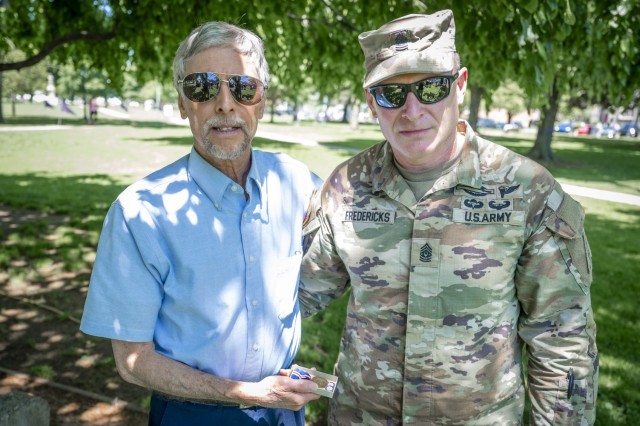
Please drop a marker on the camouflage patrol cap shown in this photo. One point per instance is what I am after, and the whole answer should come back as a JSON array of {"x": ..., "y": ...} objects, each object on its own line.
[{"x": 411, "y": 44}]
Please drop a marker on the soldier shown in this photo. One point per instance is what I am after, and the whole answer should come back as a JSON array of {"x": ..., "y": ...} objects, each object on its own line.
[{"x": 459, "y": 254}]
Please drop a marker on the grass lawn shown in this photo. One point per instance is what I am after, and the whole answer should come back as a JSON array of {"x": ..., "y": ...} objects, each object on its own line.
[{"x": 56, "y": 185}]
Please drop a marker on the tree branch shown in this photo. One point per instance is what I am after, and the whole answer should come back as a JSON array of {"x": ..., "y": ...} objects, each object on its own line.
[
  {"x": 48, "y": 48},
  {"x": 341, "y": 18}
]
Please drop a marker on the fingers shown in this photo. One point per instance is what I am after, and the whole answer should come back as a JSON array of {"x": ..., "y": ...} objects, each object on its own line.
[
  {"x": 283, "y": 392},
  {"x": 302, "y": 386}
]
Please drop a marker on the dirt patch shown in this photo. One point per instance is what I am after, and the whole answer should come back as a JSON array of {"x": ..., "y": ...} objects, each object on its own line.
[
  {"x": 42, "y": 295},
  {"x": 70, "y": 408}
]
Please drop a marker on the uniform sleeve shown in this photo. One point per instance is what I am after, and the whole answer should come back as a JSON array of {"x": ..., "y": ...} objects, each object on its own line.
[
  {"x": 125, "y": 292},
  {"x": 553, "y": 282},
  {"x": 323, "y": 276}
]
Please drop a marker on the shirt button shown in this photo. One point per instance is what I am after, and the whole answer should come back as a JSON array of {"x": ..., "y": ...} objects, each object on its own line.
[
  {"x": 234, "y": 188},
  {"x": 244, "y": 215},
  {"x": 251, "y": 258},
  {"x": 254, "y": 302},
  {"x": 256, "y": 346}
]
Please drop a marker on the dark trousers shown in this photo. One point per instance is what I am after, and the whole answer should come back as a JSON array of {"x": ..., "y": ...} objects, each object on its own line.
[{"x": 171, "y": 412}]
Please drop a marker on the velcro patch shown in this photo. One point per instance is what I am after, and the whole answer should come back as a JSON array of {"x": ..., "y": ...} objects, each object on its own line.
[
  {"x": 498, "y": 192},
  {"x": 425, "y": 252},
  {"x": 486, "y": 217},
  {"x": 369, "y": 216},
  {"x": 483, "y": 204}
]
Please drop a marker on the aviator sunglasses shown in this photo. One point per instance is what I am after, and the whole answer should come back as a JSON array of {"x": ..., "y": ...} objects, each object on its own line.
[
  {"x": 203, "y": 86},
  {"x": 428, "y": 91}
]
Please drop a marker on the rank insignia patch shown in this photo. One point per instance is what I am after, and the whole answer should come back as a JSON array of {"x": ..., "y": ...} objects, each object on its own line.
[
  {"x": 401, "y": 40},
  {"x": 426, "y": 253}
]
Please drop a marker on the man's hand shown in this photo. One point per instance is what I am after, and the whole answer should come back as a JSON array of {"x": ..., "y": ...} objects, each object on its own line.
[
  {"x": 279, "y": 392},
  {"x": 139, "y": 363}
]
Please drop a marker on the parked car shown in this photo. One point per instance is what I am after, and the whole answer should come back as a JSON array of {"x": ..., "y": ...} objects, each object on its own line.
[
  {"x": 563, "y": 128},
  {"x": 585, "y": 129},
  {"x": 629, "y": 129},
  {"x": 608, "y": 131},
  {"x": 511, "y": 127},
  {"x": 487, "y": 122}
]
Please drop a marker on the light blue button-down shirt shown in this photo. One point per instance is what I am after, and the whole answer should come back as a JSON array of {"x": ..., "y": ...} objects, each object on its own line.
[{"x": 186, "y": 261}]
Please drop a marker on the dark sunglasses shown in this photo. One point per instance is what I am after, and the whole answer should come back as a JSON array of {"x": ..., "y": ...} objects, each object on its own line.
[
  {"x": 204, "y": 86},
  {"x": 428, "y": 91}
]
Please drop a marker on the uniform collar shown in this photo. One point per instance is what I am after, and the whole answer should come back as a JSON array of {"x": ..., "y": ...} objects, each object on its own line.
[
  {"x": 386, "y": 177},
  {"x": 468, "y": 171}
]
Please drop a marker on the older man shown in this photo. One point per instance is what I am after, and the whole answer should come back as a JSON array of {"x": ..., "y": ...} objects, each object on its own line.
[
  {"x": 197, "y": 268},
  {"x": 459, "y": 253}
]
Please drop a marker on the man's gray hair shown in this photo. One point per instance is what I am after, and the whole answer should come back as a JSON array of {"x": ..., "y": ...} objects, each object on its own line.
[{"x": 220, "y": 34}]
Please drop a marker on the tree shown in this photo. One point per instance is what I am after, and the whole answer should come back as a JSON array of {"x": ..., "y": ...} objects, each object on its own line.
[
  {"x": 510, "y": 97},
  {"x": 589, "y": 46},
  {"x": 547, "y": 47},
  {"x": 306, "y": 39},
  {"x": 25, "y": 81}
]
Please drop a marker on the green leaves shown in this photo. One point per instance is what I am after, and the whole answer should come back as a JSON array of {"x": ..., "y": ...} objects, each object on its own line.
[
  {"x": 569, "y": 17},
  {"x": 313, "y": 43},
  {"x": 530, "y": 6}
]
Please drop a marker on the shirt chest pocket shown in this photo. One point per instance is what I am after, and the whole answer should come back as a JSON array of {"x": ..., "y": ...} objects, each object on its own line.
[{"x": 284, "y": 274}]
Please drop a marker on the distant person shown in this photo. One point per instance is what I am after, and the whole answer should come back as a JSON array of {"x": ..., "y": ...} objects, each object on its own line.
[
  {"x": 599, "y": 129},
  {"x": 196, "y": 274},
  {"x": 459, "y": 253},
  {"x": 93, "y": 110}
]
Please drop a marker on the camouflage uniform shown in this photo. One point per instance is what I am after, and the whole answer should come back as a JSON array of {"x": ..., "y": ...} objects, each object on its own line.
[{"x": 445, "y": 291}]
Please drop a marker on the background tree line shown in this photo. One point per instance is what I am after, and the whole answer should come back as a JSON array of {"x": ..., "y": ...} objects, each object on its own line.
[{"x": 548, "y": 48}]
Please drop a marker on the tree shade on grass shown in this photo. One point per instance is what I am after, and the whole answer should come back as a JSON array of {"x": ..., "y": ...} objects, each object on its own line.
[{"x": 57, "y": 185}]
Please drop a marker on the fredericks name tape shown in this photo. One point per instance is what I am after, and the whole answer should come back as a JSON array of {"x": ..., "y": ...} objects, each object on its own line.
[{"x": 371, "y": 216}]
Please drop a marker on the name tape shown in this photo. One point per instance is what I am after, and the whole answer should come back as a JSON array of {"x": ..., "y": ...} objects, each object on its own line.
[{"x": 369, "y": 216}]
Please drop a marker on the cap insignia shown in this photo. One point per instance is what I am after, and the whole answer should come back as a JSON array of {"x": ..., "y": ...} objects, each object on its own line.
[{"x": 401, "y": 39}]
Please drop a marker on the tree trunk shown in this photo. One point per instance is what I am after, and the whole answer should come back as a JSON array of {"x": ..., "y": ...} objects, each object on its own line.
[
  {"x": 541, "y": 150},
  {"x": 355, "y": 115},
  {"x": 273, "y": 111},
  {"x": 345, "y": 113},
  {"x": 474, "y": 105},
  {"x": 1, "y": 116},
  {"x": 296, "y": 106}
]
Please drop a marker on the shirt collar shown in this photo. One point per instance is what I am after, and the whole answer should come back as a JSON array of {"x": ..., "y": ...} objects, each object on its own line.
[{"x": 214, "y": 183}]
